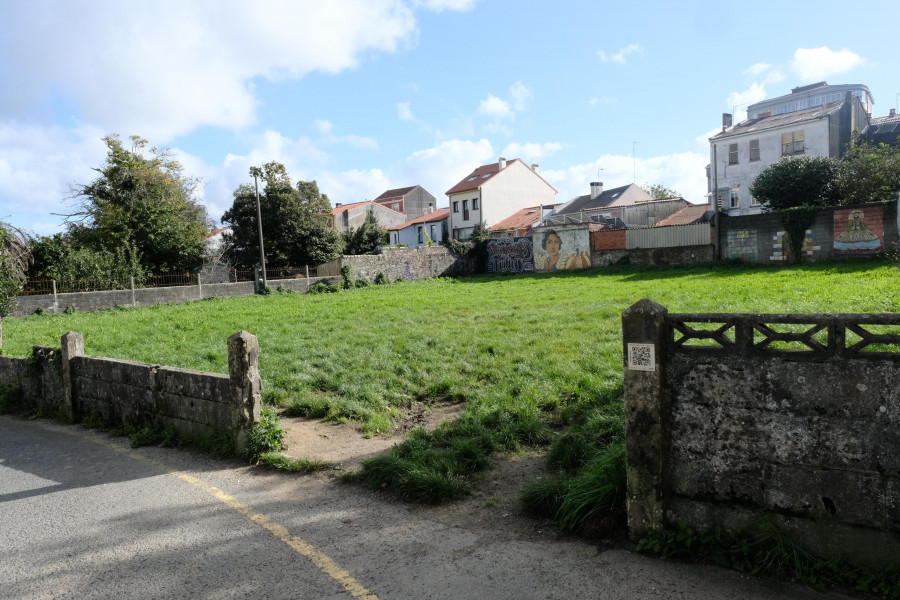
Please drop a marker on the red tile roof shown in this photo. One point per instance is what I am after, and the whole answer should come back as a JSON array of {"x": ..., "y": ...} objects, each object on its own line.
[
  {"x": 395, "y": 193},
  {"x": 483, "y": 174},
  {"x": 438, "y": 215},
  {"x": 522, "y": 219},
  {"x": 217, "y": 231},
  {"x": 687, "y": 215}
]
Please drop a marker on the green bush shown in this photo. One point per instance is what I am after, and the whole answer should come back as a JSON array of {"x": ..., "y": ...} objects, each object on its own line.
[
  {"x": 322, "y": 288},
  {"x": 267, "y": 436},
  {"x": 381, "y": 279}
]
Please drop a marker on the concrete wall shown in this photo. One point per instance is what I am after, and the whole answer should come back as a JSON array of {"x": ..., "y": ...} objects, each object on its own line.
[
  {"x": 88, "y": 301},
  {"x": 762, "y": 238},
  {"x": 723, "y": 427},
  {"x": 401, "y": 263},
  {"x": 64, "y": 382}
]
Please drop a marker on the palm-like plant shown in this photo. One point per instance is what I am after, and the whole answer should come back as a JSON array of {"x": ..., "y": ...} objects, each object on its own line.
[{"x": 14, "y": 257}]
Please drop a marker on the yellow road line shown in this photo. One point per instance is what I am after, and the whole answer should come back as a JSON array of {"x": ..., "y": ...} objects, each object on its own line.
[{"x": 322, "y": 561}]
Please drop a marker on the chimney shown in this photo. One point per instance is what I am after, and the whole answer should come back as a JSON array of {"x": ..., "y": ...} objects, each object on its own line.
[
  {"x": 596, "y": 189},
  {"x": 535, "y": 167},
  {"x": 727, "y": 120},
  {"x": 893, "y": 113},
  {"x": 502, "y": 163},
  {"x": 336, "y": 204}
]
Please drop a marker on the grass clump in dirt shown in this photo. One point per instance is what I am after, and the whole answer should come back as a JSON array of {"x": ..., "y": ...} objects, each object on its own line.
[
  {"x": 590, "y": 457},
  {"x": 765, "y": 550},
  {"x": 280, "y": 462},
  {"x": 439, "y": 466},
  {"x": 267, "y": 436}
]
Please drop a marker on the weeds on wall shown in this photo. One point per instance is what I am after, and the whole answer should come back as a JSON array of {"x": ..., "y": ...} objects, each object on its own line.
[
  {"x": 767, "y": 551},
  {"x": 266, "y": 436}
]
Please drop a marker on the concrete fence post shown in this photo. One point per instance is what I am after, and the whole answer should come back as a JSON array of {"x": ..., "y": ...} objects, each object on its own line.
[
  {"x": 133, "y": 299},
  {"x": 246, "y": 386},
  {"x": 645, "y": 338},
  {"x": 199, "y": 287},
  {"x": 71, "y": 346}
]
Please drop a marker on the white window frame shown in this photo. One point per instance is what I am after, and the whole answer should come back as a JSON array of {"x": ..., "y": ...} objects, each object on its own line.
[
  {"x": 733, "y": 154},
  {"x": 734, "y": 198},
  {"x": 756, "y": 142}
]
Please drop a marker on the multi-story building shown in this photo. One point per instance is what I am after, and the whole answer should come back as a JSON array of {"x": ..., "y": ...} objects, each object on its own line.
[
  {"x": 414, "y": 201},
  {"x": 493, "y": 192}
]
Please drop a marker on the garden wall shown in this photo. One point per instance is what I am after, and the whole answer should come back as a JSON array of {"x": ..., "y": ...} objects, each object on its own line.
[
  {"x": 401, "y": 263},
  {"x": 731, "y": 417},
  {"x": 838, "y": 232},
  {"x": 88, "y": 301},
  {"x": 64, "y": 382}
]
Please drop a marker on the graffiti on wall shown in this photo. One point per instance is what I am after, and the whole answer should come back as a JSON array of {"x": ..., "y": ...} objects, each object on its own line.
[
  {"x": 858, "y": 230},
  {"x": 561, "y": 250},
  {"x": 510, "y": 255}
]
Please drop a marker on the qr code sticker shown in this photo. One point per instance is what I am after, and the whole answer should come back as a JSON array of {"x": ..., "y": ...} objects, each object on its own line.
[{"x": 641, "y": 357}]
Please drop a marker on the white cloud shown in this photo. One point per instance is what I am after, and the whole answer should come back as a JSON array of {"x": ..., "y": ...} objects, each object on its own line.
[
  {"x": 684, "y": 172},
  {"x": 530, "y": 152},
  {"x": 37, "y": 167},
  {"x": 620, "y": 57},
  {"x": 604, "y": 101},
  {"x": 492, "y": 106},
  {"x": 404, "y": 113},
  {"x": 521, "y": 94},
  {"x": 740, "y": 100},
  {"x": 322, "y": 126},
  {"x": 812, "y": 64},
  {"x": 441, "y": 5},
  {"x": 440, "y": 167},
  {"x": 166, "y": 72},
  {"x": 756, "y": 69}
]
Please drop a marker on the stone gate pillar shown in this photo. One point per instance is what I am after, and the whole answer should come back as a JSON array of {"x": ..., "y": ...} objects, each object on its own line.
[
  {"x": 71, "y": 346},
  {"x": 246, "y": 386}
]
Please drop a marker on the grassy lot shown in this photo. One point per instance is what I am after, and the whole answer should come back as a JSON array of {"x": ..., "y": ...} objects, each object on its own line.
[{"x": 541, "y": 341}]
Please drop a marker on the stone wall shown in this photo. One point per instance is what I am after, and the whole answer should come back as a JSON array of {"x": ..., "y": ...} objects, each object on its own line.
[
  {"x": 88, "y": 301},
  {"x": 675, "y": 255},
  {"x": 834, "y": 234},
  {"x": 401, "y": 263},
  {"x": 64, "y": 382},
  {"x": 730, "y": 417}
]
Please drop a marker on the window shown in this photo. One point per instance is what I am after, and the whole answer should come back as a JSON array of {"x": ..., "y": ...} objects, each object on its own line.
[
  {"x": 456, "y": 206},
  {"x": 792, "y": 143},
  {"x": 754, "y": 201},
  {"x": 421, "y": 234},
  {"x": 474, "y": 203},
  {"x": 465, "y": 210},
  {"x": 754, "y": 150},
  {"x": 735, "y": 198},
  {"x": 432, "y": 233},
  {"x": 732, "y": 154}
]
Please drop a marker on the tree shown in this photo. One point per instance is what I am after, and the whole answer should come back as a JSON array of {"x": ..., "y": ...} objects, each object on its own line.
[
  {"x": 869, "y": 173},
  {"x": 57, "y": 257},
  {"x": 14, "y": 259},
  {"x": 658, "y": 191},
  {"x": 144, "y": 201},
  {"x": 365, "y": 238},
  {"x": 791, "y": 182},
  {"x": 294, "y": 220}
]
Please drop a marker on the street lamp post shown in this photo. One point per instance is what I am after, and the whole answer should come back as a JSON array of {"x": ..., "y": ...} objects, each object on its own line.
[{"x": 262, "y": 254}]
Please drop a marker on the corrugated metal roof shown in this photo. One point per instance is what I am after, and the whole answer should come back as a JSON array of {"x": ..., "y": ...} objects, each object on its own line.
[{"x": 791, "y": 118}]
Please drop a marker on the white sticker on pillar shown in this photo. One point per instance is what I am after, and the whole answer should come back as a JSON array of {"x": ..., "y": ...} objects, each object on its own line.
[{"x": 641, "y": 357}]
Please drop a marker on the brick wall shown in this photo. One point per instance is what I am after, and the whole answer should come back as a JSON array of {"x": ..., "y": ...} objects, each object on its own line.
[{"x": 608, "y": 239}]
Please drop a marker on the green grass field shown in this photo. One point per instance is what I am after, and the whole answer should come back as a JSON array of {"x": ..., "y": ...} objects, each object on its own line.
[{"x": 542, "y": 341}]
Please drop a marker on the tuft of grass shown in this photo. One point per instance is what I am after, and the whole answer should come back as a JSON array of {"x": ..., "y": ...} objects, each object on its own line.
[
  {"x": 278, "y": 461},
  {"x": 154, "y": 436}
]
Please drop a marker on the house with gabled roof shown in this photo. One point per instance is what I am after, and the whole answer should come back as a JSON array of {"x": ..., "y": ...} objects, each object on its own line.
[
  {"x": 417, "y": 232},
  {"x": 883, "y": 130},
  {"x": 494, "y": 191},
  {"x": 689, "y": 215},
  {"x": 345, "y": 217},
  {"x": 414, "y": 201}
]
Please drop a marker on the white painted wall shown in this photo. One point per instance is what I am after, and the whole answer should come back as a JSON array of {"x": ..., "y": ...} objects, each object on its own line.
[
  {"x": 410, "y": 235},
  {"x": 512, "y": 189},
  {"x": 741, "y": 175}
]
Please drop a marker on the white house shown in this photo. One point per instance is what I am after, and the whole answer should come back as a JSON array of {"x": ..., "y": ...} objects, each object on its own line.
[
  {"x": 345, "y": 217},
  {"x": 740, "y": 153},
  {"x": 418, "y": 231},
  {"x": 493, "y": 192}
]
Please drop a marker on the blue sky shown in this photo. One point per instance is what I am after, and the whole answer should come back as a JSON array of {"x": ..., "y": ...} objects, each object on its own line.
[{"x": 366, "y": 95}]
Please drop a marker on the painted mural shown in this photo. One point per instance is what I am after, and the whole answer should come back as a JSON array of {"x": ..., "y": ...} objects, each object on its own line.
[
  {"x": 510, "y": 255},
  {"x": 561, "y": 250},
  {"x": 859, "y": 230}
]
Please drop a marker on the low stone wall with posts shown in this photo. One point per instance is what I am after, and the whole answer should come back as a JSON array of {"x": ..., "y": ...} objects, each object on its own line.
[
  {"x": 730, "y": 417},
  {"x": 64, "y": 382}
]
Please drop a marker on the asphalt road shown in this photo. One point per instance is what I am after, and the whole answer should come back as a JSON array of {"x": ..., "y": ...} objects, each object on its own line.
[{"x": 82, "y": 515}]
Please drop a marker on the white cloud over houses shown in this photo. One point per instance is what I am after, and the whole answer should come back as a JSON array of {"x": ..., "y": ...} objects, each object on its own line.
[
  {"x": 814, "y": 64},
  {"x": 404, "y": 113},
  {"x": 164, "y": 72},
  {"x": 495, "y": 107},
  {"x": 620, "y": 57}
]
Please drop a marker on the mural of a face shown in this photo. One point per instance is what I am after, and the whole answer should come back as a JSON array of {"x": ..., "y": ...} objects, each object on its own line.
[{"x": 553, "y": 244}]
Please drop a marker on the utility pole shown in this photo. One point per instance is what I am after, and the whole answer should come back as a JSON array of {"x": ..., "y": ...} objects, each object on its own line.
[{"x": 262, "y": 254}]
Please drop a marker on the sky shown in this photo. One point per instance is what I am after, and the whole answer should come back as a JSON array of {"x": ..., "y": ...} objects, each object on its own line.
[{"x": 368, "y": 95}]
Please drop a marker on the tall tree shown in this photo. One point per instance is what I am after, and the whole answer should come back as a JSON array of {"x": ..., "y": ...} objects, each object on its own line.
[
  {"x": 659, "y": 191},
  {"x": 366, "y": 237},
  {"x": 141, "y": 199},
  {"x": 14, "y": 258},
  {"x": 294, "y": 221},
  {"x": 869, "y": 173}
]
